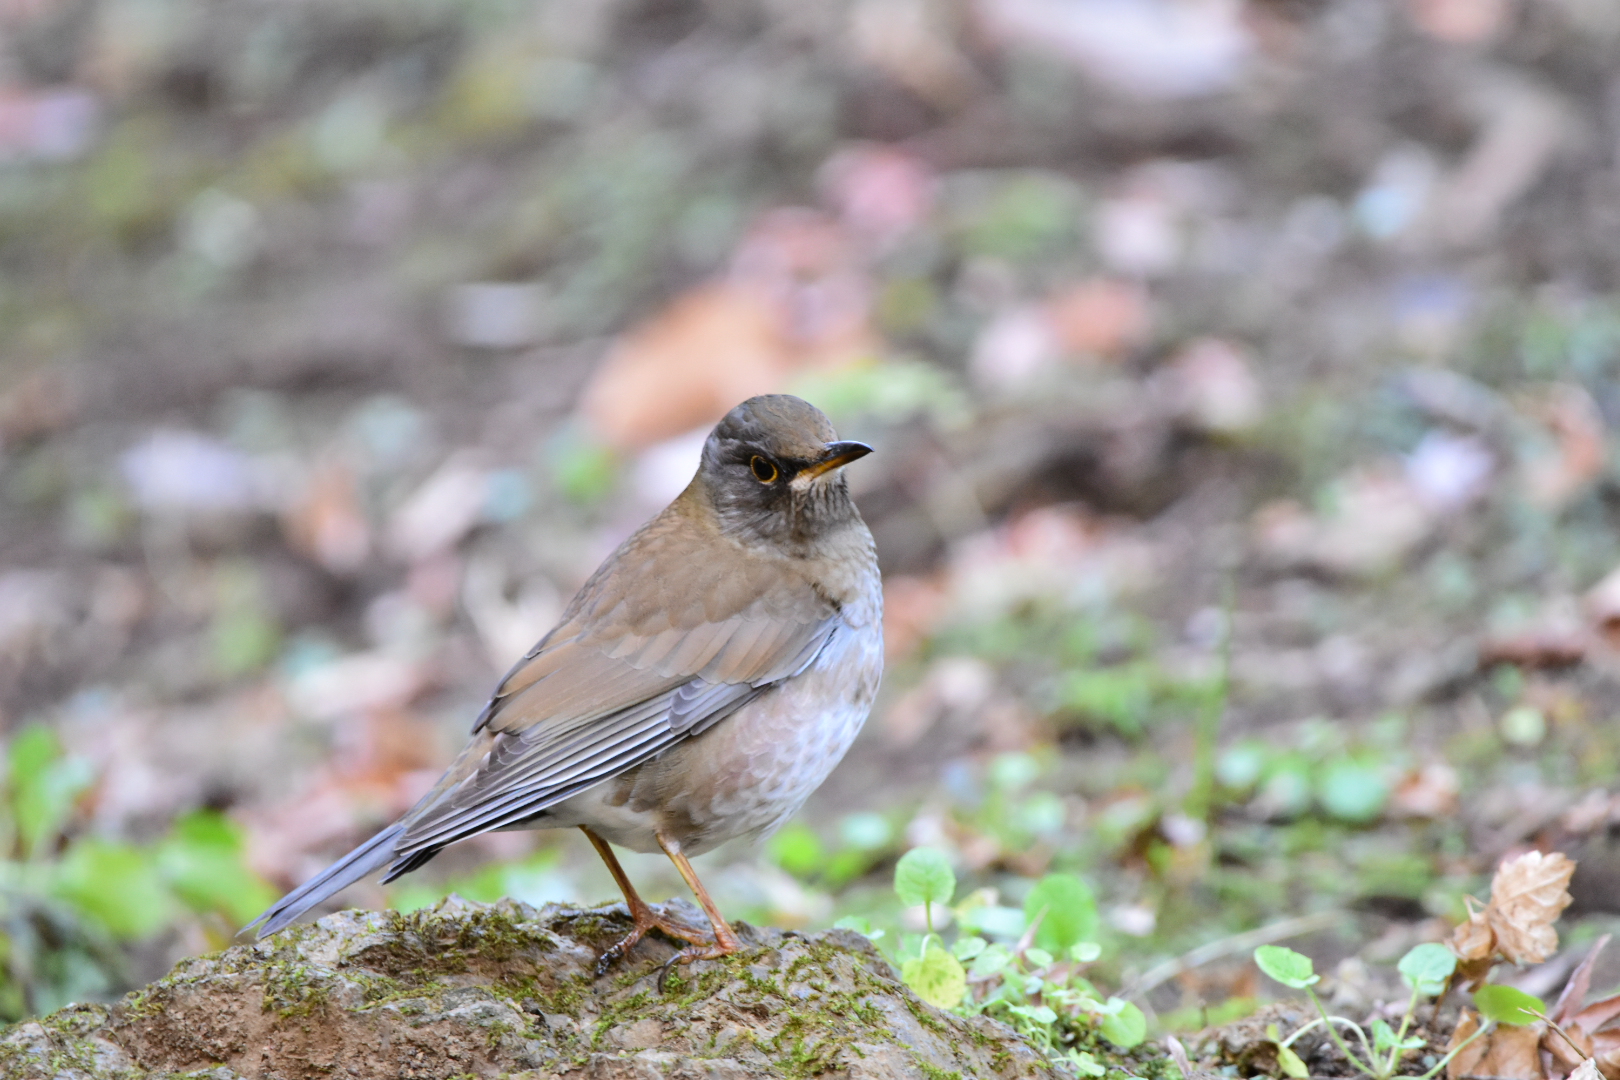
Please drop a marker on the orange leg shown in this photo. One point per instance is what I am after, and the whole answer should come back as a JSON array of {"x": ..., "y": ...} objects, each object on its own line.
[
  {"x": 644, "y": 916},
  {"x": 725, "y": 939}
]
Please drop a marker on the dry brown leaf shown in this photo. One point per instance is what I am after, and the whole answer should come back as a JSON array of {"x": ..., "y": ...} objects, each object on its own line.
[
  {"x": 796, "y": 298},
  {"x": 327, "y": 523},
  {"x": 1602, "y": 603},
  {"x": 1474, "y": 942},
  {"x": 1100, "y": 317},
  {"x": 1508, "y": 1052},
  {"x": 1527, "y": 896},
  {"x": 1606, "y": 1052},
  {"x": 1569, "y": 1002},
  {"x": 1427, "y": 792},
  {"x": 1581, "y": 447},
  {"x": 710, "y": 349}
]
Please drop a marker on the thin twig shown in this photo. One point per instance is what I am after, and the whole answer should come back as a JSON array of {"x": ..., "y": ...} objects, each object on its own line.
[
  {"x": 1550, "y": 1022},
  {"x": 1231, "y": 946}
]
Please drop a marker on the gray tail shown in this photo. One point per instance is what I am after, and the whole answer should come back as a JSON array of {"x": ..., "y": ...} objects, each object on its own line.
[{"x": 368, "y": 858}]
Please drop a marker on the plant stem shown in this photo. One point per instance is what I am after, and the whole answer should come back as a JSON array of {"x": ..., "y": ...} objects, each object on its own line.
[
  {"x": 1400, "y": 1036},
  {"x": 1333, "y": 1034},
  {"x": 1455, "y": 1050},
  {"x": 1290, "y": 1040},
  {"x": 1561, "y": 1032}
]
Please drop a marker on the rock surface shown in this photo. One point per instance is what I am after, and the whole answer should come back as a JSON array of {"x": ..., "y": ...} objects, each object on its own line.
[{"x": 506, "y": 990}]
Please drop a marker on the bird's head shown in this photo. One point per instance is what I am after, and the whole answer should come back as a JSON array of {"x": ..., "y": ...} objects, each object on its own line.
[{"x": 772, "y": 469}]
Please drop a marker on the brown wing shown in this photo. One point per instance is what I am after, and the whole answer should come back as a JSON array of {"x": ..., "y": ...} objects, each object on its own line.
[{"x": 670, "y": 642}]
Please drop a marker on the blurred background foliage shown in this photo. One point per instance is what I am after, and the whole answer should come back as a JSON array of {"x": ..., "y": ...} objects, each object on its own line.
[{"x": 1241, "y": 373}]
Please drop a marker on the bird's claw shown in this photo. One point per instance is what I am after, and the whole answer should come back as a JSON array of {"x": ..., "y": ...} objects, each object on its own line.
[{"x": 647, "y": 920}]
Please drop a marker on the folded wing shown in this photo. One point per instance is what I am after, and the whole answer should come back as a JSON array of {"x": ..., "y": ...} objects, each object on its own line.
[{"x": 629, "y": 673}]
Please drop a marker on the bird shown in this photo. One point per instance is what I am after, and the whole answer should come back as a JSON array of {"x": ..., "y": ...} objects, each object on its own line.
[{"x": 700, "y": 685}]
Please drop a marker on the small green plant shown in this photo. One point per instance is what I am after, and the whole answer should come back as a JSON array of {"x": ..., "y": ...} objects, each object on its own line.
[
  {"x": 1033, "y": 981},
  {"x": 1426, "y": 970},
  {"x": 71, "y": 902}
]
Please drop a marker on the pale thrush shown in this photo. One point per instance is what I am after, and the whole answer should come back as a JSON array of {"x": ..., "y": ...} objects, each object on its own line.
[{"x": 702, "y": 683}]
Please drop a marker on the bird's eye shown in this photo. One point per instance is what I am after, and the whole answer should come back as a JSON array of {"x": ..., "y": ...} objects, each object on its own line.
[{"x": 764, "y": 471}]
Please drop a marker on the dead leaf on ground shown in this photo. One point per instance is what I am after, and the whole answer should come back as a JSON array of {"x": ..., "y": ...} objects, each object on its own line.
[
  {"x": 795, "y": 299},
  {"x": 1427, "y": 792},
  {"x": 1591, "y": 1028},
  {"x": 1580, "y": 447},
  {"x": 1602, "y": 604},
  {"x": 1509, "y": 1052},
  {"x": 326, "y": 522},
  {"x": 1527, "y": 895},
  {"x": 1099, "y": 317}
]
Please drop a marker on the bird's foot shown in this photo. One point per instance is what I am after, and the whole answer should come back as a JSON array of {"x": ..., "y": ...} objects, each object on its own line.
[
  {"x": 724, "y": 945},
  {"x": 647, "y": 919}
]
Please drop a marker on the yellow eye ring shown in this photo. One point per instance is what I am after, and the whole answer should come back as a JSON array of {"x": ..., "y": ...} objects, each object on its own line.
[{"x": 764, "y": 471}]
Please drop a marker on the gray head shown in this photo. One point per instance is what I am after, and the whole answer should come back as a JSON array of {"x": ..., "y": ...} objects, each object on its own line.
[{"x": 772, "y": 469}]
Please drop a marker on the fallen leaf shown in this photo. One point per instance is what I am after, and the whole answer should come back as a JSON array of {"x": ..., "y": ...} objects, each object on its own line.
[
  {"x": 1548, "y": 646},
  {"x": 795, "y": 299},
  {"x": 1580, "y": 450},
  {"x": 1428, "y": 792},
  {"x": 1602, "y": 604},
  {"x": 326, "y": 521},
  {"x": 1527, "y": 896},
  {"x": 1508, "y": 1052},
  {"x": 1101, "y": 317}
]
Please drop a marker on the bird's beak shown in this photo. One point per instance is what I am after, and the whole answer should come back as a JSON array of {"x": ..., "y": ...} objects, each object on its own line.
[{"x": 834, "y": 455}]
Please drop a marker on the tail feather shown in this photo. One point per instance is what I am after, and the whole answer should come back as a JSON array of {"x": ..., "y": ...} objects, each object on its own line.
[{"x": 368, "y": 858}]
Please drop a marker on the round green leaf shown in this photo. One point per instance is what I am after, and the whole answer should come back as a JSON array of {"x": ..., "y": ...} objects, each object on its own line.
[
  {"x": 1352, "y": 791},
  {"x": 936, "y": 977},
  {"x": 1125, "y": 1028},
  {"x": 924, "y": 876},
  {"x": 1506, "y": 1005},
  {"x": 1427, "y": 967},
  {"x": 1067, "y": 909},
  {"x": 1286, "y": 966},
  {"x": 1084, "y": 952}
]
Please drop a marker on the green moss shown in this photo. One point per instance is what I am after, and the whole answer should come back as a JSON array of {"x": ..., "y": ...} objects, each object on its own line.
[
  {"x": 934, "y": 1072},
  {"x": 292, "y": 990}
]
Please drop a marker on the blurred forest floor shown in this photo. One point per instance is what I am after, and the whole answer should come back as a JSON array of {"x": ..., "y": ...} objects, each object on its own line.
[{"x": 1242, "y": 376}]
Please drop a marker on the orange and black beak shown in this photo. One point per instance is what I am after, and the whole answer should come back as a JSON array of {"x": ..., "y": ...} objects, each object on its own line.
[{"x": 835, "y": 455}]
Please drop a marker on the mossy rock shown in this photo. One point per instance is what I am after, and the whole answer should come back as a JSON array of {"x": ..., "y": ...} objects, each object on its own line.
[{"x": 506, "y": 990}]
